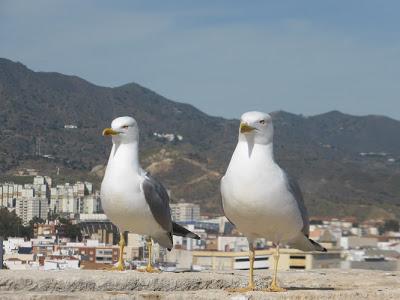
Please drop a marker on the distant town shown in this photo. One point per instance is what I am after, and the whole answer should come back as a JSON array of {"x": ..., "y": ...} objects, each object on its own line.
[{"x": 63, "y": 227}]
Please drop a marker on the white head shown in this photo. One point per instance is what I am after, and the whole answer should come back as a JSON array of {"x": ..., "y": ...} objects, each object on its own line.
[
  {"x": 256, "y": 127},
  {"x": 124, "y": 130}
]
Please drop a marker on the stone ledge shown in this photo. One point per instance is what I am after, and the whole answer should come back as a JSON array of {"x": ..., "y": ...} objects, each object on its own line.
[{"x": 86, "y": 284}]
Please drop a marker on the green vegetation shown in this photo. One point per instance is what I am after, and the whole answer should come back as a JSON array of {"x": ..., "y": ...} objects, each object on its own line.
[
  {"x": 16, "y": 179},
  {"x": 11, "y": 225},
  {"x": 71, "y": 231},
  {"x": 391, "y": 225},
  {"x": 322, "y": 151}
]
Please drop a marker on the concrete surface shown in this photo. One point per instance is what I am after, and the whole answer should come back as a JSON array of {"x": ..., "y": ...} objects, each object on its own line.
[{"x": 86, "y": 284}]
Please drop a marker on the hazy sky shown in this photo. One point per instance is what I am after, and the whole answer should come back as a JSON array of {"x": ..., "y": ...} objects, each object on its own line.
[{"x": 224, "y": 57}]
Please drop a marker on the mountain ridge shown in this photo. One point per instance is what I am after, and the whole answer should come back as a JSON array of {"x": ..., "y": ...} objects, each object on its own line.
[
  {"x": 321, "y": 151},
  {"x": 139, "y": 86}
]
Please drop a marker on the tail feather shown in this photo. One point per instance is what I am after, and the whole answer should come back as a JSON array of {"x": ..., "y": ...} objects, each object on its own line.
[
  {"x": 317, "y": 246},
  {"x": 182, "y": 231},
  {"x": 304, "y": 243}
]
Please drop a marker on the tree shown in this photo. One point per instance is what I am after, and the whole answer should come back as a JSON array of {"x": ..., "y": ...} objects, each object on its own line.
[
  {"x": 391, "y": 225},
  {"x": 36, "y": 220},
  {"x": 71, "y": 231},
  {"x": 11, "y": 225},
  {"x": 52, "y": 215},
  {"x": 31, "y": 226}
]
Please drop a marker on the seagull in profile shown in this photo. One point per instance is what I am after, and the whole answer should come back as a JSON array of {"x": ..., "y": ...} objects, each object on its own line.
[
  {"x": 131, "y": 198},
  {"x": 260, "y": 198}
]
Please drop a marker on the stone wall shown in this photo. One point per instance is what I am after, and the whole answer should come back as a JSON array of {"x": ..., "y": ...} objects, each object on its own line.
[{"x": 86, "y": 284}]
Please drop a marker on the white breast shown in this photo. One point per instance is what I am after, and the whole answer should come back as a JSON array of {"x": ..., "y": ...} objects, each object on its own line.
[
  {"x": 123, "y": 200},
  {"x": 256, "y": 199}
]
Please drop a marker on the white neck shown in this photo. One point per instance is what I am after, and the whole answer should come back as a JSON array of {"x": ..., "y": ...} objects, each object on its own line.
[
  {"x": 250, "y": 150},
  {"x": 250, "y": 155},
  {"x": 268, "y": 151},
  {"x": 125, "y": 155}
]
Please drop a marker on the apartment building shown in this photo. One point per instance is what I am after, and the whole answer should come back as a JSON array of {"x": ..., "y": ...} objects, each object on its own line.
[
  {"x": 9, "y": 192},
  {"x": 29, "y": 207},
  {"x": 185, "y": 212},
  {"x": 289, "y": 259},
  {"x": 92, "y": 251},
  {"x": 38, "y": 198}
]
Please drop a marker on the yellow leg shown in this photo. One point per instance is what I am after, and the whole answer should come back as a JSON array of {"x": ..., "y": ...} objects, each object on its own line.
[
  {"x": 251, "y": 286},
  {"x": 150, "y": 268},
  {"x": 274, "y": 287},
  {"x": 121, "y": 266}
]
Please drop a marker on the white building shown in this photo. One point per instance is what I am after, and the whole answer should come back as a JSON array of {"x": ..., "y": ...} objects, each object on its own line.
[
  {"x": 90, "y": 204},
  {"x": 64, "y": 198},
  {"x": 185, "y": 212},
  {"x": 8, "y": 193},
  {"x": 232, "y": 243},
  {"x": 63, "y": 264},
  {"x": 38, "y": 180},
  {"x": 12, "y": 244},
  {"x": 29, "y": 207},
  {"x": 357, "y": 242},
  {"x": 69, "y": 205}
]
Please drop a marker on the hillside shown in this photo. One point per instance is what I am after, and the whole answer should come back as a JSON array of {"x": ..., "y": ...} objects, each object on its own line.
[{"x": 322, "y": 151}]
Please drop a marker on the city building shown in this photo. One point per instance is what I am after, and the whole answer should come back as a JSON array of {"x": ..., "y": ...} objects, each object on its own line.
[
  {"x": 47, "y": 230},
  {"x": 354, "y": 242},
  {"x": 91, "y": 251},
  {"x": 232, "y": 243},
  {"x": 289, "y": 259},
  {"x": 29, "y": 207},
  {"x": 40, "y": 197},
  {"x": 185, "y": 212}
]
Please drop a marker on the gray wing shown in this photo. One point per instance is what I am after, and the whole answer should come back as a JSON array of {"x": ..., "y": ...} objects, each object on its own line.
[
  {"x": 296, "y": 192},
  {"x": 158, "y": 200}
]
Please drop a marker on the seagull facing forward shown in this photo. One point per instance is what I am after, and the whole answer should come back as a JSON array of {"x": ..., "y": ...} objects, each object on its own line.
[
  {"x": 259, "y": 198},
  {"x": 131, "y": 198}
]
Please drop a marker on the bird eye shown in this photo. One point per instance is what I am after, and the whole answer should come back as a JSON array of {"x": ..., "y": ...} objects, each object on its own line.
[
  {"x": 262, "y": 122},
  {"x": 125, "y": 126}
]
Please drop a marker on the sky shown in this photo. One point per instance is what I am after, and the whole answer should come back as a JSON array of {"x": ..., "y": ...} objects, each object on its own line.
[{"x": 224, "y": 57}]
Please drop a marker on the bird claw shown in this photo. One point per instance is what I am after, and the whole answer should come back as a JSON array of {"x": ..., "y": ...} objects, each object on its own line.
[
  {"x": 275, "y": 289},
  {"x": 149, "y": 269},
  {"x": 119, "y": 267}
]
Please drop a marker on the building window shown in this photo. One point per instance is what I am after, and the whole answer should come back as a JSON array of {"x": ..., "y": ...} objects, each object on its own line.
[{"x": 297, "y": 257}]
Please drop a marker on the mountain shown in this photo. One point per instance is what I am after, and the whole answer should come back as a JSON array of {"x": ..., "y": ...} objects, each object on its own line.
[{"x": 189, "y": 150}]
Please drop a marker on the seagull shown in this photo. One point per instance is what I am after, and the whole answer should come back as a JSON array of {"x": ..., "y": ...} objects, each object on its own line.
[
  {"x": 131, "y": 198},
  {"x": 260, "y": 198}
]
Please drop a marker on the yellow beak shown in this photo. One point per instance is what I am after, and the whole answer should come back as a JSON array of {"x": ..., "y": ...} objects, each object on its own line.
[
  {"x": 109, "y": 131},
  {"x": 245, "y": 128}
]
